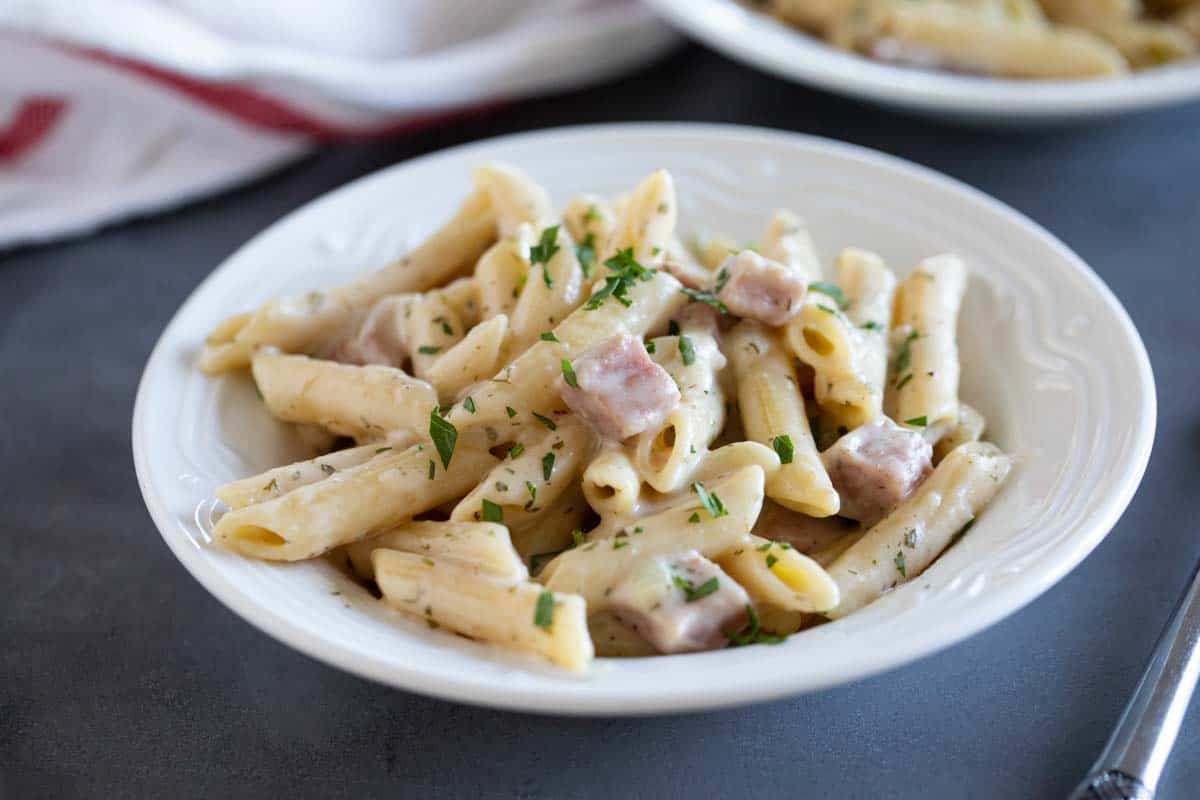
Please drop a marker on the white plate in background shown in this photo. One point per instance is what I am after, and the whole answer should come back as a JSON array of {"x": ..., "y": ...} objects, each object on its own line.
[
  {"x": 771, "y": 45},
  {"x": 1049, "y": 355}
]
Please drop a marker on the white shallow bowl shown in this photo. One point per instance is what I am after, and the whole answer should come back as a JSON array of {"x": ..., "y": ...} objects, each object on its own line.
[
  {"x": 1048, "y": 355},
  {"x": 769, "y": 44}
]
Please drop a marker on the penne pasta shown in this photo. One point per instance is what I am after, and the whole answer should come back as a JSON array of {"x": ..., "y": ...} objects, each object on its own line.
[
  {"x": 925, "y": 370},
  {"x": 900, "y": 547},
  {"x": 772, "y": 407},
  {"x": 521, "y": 616},
  {"x": 476, "y": 545},
  {"x": 549, "y": 458},
  {"x": 366, "y": 403}
]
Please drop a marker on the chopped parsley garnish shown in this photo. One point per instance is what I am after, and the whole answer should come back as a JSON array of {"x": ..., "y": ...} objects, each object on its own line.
[
  {"x": 548, "y": 336},
  {"x": 273, "y": 486},
  {"x": 904, "y": 352},
  {"x": 831, "y": 290},
  {"x": 771, "y": 560},
  {"x": 625, "y": 272},
  {"x": 327, "y": 469},
  {"x": 586, "y": 253},
  {"x": 492, "y": 512},
  {"x": 529, "y": 487},
  {"x": 691, "y": 592},
  {"x": 432, "y": 469},
  {"x": 547, "y": 466},
  {"x": 764, "y": 547},
  {"x": 549, "y": 423},
  {"x": 619, "y": 543},
  {"x": 469, "y": 404},
  {"x": 722, "y": 279},
  {"x": 917, "y": 422},
  {"x": 711, "y": 502},
  {"x": 752, "y": 633},
  {"x": 783, "y": 448},
  {"x": 428, "y": 350},
  {"x": 687, "y": 350},
  {"x": 382, "y": 450},
  {"x": 543, "y": 251},
  {"x": 694, "y": 518},
  {"x": 899, "y": 562},
  {"x": 446, "y": 329},
  {"x": 516, "y": 450},
  {"x": 872, "y": 325},
  {"x": 569, "y": 374},
  {"x": 651, "y": 347},
  {"x": 577, "y": 537},
  {"x": 826, "y": 308},
  {"x": 904, "y": 381},
  {"x": 543, "y": 612},
  {"x": 672, "y": 328},
  {"x": 512, "y": 412},
  {"x": 708, "y": 298},
  {"x": 444, "y": 436}
]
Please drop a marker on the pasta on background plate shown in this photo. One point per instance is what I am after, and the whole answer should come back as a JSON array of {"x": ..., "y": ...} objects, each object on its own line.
[
  {"x": 1031, "y": 39},
  {"x": 574, "y": 436}
]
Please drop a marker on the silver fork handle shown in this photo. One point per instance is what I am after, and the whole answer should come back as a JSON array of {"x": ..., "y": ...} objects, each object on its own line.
[{"x": 1134, "y": 758}]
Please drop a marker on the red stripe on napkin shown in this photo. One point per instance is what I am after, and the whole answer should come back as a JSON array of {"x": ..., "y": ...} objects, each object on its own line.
[{"x": 36, "y": 117}]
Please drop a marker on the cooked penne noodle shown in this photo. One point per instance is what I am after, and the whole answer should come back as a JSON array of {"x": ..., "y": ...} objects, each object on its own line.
[
  {"x": 900, "y": 547},
  {"x": 513, "y": 615},
  {"x": 482, "y": 545},
  {"x": 516, "y": 198},
  {"x": 611, "y": 483},
  {"x": 771, "y": 407},
  {"x": 281, "y": 480},
  {"x": 778, "y": 575},
  {"x": 925, "y": 369},
  {"x": 646, "y": 223},
  {"x": 847, "y": 349},
  {"x": 364, "y": 402},
  {"x": 665, "y": 456},
  {"x": 390, "y": 489},
  {"x": 530, "y": 479},
  {"x": 969, "y": 428},
  {"x": 473, "y": 359},
  {"x": 553, "y": 288},
  {"x": 788, "y": 242}
]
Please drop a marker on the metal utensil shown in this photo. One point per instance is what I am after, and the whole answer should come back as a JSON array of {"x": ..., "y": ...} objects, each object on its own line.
[{"x": 1133, "y": 759}]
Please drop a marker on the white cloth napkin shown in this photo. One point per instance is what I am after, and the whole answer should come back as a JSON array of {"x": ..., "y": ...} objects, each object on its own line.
[{"x": 115, "y": 108}]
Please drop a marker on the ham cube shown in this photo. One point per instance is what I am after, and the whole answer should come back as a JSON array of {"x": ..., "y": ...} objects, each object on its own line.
[
  {"x": 680, "y": 604},
  {"x": 619, "y": 391},
  {"x": 379, "y": 339},
  {"x": 758, "y": 288},
  {"x": 875, "y": 467}
]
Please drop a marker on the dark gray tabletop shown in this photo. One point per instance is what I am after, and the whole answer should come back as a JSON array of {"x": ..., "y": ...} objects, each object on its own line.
[{"x": 121, "y": 677}]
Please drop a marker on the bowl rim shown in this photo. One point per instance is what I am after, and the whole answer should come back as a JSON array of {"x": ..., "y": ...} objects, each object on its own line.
[
  {"x": 551, "y": 698},
  {"x": 771, "y": 45}
]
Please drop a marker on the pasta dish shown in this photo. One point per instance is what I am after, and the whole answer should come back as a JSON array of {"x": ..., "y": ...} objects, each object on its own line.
[
  {"x": 1034, "y": 39},
  {"x": 573, "y": 434}
]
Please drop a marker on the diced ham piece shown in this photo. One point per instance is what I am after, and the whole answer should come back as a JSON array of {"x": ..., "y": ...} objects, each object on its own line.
[
  {"x": 759, "y": 288},
  {"x": 379, "y": 339},
  {"x": 620, "y": 392},
  {"x": 875, "y": 467},
  {"x": 670, "y": 602}
]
